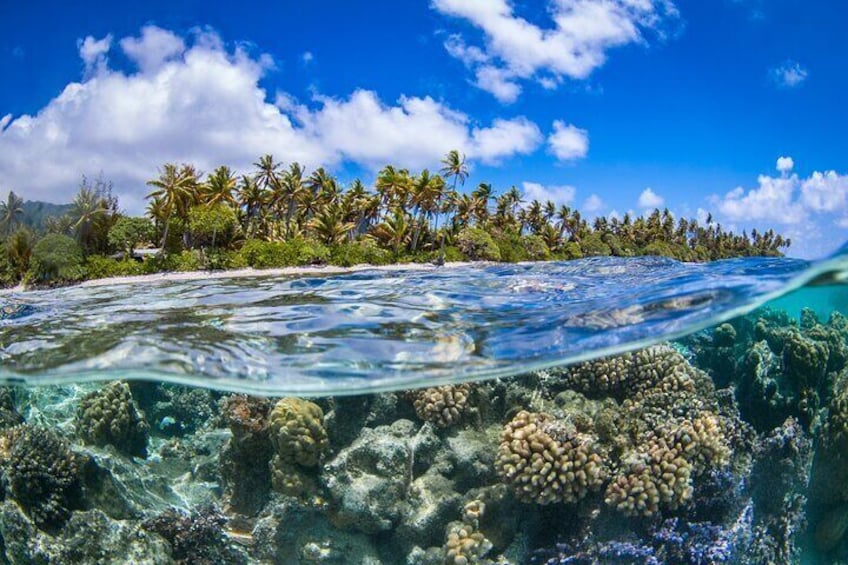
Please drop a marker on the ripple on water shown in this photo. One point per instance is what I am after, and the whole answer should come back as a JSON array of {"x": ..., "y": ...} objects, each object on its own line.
[{"x": 378, "y": 329}]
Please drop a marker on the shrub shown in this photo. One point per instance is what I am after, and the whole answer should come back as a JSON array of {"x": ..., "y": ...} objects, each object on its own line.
[
  {"x": 261, "y": 254},
  {"x": 363, "y": 251},
  {"x": 274, "y": 254},
  {"x": 592, "y": 245},
  {"x": 571, "y": 250},
  {"x": 510, "y": 247},
  {"x": 212, "y": 226},
  {"x": 477, "y": 245},
  {"x": 56, "y": 258},
  {"x": 453, "y": 254},
  {"x": 17, "y": 251},
  {"x": 127, "y": 233},
  {"x": 666, "y": 249},
  {"x": 535, "y": 248},
  {"x": 101, "y": 267}
]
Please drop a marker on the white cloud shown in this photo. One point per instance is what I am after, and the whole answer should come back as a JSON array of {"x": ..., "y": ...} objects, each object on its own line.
[
  {"x": 810, "y": 210},
  {"x": 307, "y": 57},
  {"x": 516, "y": 49},
  {"x": 93, "y": 52},
  {"x": 568, "y": 142},
  {"x": 773, "y": 200},
  {"x": 203, "y": 103},
  {"x": 593, "y": 204},
  {"x": 785, "y": 164},
  {"x": 789, "y": 75},
  {"x": 650, "y": 199},
  {"x": 153, "y": 48},
  {"x": 556, "y": 194}
]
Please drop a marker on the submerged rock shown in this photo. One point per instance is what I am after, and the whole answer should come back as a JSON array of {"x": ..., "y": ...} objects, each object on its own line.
[{"x": 369, "y": 481}]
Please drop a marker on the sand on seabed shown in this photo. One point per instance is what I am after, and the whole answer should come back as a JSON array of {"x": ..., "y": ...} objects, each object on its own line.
[{"x": 250, "y": 272}]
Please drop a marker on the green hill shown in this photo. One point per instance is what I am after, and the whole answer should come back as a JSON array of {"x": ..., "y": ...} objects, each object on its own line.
[{"x": 36, "y": 213}]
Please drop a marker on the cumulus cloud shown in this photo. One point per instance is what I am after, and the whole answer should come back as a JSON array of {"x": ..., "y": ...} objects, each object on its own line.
[
  {"x": 93, "y": 52},
  {"x": 650, "y": 199},
  {"x": 557, "y": 194},
  {"x": 153, "y": 48},
  {"x": 790, "y": 74},
  {"x": 812, "y": 210},
  {"x": 785, "y": 164},
  {"x": 197, "y": 100},
  {"x": 593, "y": 204},
  {"x": 568, "y": 142},
  {"x": 514, "y": 49}
]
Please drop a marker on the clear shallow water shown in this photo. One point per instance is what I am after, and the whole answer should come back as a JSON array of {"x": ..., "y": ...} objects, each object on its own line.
[
  {"x": 742, "y": 426},
  {"x": 379, "y": 330}
]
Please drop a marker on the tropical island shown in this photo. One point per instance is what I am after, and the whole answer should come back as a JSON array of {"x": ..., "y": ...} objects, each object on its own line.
[{"x": 277, "y": 216}]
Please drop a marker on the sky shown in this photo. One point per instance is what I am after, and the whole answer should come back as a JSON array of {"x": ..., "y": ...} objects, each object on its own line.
[{"x": 728, "y": 106}]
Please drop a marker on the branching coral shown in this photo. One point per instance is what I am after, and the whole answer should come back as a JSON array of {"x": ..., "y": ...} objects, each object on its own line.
[
  {"x": 546, "y": 460},
  {"x": 43, "y": 474},
  {"x": 443, "y": 405},
  {"x": 465, "y": 542},
  {"x": 110, "y": 416},
  {"x": 658, "y": 473}
]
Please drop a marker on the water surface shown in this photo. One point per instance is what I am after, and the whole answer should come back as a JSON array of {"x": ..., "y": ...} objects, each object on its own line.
[{"x": 378, "y": 330}]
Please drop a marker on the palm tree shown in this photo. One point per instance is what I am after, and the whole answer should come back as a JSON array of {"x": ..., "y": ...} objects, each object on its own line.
[
  {"x": 425, "y": 193},
  {"x": 293, "y": 191},
  {"x": 251, "y": 197},
  {"x": 88, "y": 209},
  {"x": 453, "y": 165},
  {"x": 393, "y": 185},
  {"x": 393, "y": 231},
  {"x": 10, "y": 212},
  {"x": 177, "y": 190},
  {"x": 329, "y": 224},
  {"x": 220, "y": 187}
]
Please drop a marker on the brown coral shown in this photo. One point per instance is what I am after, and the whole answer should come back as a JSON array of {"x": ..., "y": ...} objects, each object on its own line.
[
  {"x": 658, "y": 473},
  {"x": 465, "y": 542},
  {"x": 297, "y": 431},
  {"x": 546, "y": 460},
  {"x": 245, "y": 472},
  {"x": 111, "y": 416},
  {"x": 442, "y": 405}
]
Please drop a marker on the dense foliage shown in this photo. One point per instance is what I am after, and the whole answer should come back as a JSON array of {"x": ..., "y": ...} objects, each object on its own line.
[{"x": 280, "y": 217}]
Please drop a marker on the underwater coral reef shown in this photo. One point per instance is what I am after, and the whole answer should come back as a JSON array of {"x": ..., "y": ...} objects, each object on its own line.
[{"x": 728, "y": 446}]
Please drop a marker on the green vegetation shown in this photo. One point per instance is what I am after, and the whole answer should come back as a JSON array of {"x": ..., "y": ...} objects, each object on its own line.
[
  {"x": 56, "y": 258},
  {"x": 281, "y": 217}
]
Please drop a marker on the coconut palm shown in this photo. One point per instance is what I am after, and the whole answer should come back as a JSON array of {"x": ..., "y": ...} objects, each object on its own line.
[
  {"x": 393, "y": 185},
  {"x": 330, "y": 226},
  {"x": 251, "y": 198},
  {"x": 220, "y": 187},
  {"x": 11, "y": 212},
  {"x": 425, "y": 193},
  {"x": 176, "y": 187},
  {"x": 89, "y": 210},
  {"x": 393, "y": 231}
]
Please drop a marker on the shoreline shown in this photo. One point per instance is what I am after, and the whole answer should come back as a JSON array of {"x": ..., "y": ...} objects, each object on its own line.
[{"x": 249, "y": 272}]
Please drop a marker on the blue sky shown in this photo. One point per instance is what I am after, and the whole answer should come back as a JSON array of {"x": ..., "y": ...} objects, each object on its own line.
[{"x": 590, "y": 102}]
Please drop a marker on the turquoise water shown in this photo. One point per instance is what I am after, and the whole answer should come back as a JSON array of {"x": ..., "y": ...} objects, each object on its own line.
[{"x": 597, "y": 411}]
